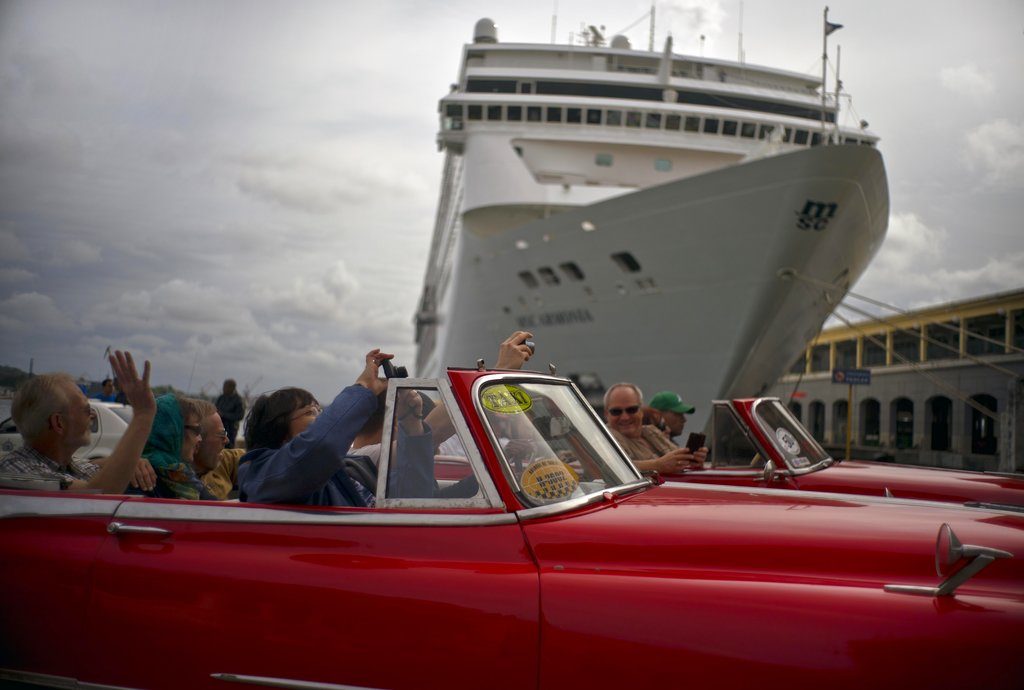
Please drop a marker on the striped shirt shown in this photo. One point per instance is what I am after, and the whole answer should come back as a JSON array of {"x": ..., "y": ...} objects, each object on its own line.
[{"x": 27, "y": 461}]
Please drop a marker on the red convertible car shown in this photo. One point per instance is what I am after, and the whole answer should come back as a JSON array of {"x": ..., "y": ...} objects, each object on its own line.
[
  {"x": 556, "y": 566},
  {"x": 757, "y": 442}
]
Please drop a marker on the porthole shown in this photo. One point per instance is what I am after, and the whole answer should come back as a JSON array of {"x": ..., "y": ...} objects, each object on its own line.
[
  {"x": 528, "y": 279},
  {"x": 548, "y": 275},
  {"x": 604, "y": 160},
  {"x": 729, "y": 128},
  {"x": 571, "y": 270},
  {"x": 626, "y": 262},
  {"x": 662, "y": 164}
]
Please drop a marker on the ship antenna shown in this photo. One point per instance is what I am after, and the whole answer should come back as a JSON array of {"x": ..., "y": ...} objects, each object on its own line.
[
  {"x": 839, "y": 86},
  {"x": 826, "y": 28},
  {"x": 650, "y": 42},
  {"x": 554, "y": 21},
  {"x": 739, "y": 48}
]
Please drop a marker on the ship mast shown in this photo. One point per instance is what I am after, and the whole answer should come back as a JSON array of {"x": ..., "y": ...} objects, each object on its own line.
[{"x": 826, "y": 28}]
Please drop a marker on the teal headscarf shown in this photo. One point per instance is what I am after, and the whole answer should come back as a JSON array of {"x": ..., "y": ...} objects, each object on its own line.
[{"x": 175, "y": 476}]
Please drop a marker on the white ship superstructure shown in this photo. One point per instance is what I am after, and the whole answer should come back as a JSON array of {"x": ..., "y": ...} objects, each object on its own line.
[{"x": 636, "y": 210}]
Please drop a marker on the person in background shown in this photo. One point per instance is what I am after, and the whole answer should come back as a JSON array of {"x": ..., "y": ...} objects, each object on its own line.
[
  {"x": 54, "y": 418},
  {"x": 231, "y": 408},
  {"x": 170, "y": 447},
  {"x": 214, "y": 464},
  {"x": 673, "y": 410},
  {"x": 646, "y": 446},
  {"x": 106, "y": 393}
]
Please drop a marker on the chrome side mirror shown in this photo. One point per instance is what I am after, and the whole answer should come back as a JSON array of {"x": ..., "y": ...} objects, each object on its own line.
[{"x": 769, "y": 471}]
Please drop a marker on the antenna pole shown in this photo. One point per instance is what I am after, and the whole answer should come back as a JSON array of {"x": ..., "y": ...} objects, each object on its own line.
[
  {"x": 739, "y": 49},
  {"x": 824, "y": 63},
  {"x": 650, "y": 41},
  {"x": 554, "y": 21},
  {"x": 839, "y": 86}
]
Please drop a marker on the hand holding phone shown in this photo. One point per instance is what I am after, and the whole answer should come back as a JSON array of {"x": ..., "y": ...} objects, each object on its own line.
[{"x": 695, "y": 441}]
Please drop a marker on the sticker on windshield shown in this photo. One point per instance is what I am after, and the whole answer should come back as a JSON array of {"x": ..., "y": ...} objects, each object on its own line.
[
  {"x": 549, "y": 480},
  {"x": 788, "y": 440},
  {"x": 800, "y": 462},
  {"x": 505, "y": 399}
]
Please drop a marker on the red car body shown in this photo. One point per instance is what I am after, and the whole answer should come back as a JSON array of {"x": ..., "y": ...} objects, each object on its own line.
[
  {"x": 636, "y": 585},
  {"x": 828, "y": 475}
]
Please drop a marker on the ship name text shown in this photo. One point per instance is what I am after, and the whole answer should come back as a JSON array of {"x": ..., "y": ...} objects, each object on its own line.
[
  {"x": 815, "y": 215},
  {"x": 555, "y": 318}
]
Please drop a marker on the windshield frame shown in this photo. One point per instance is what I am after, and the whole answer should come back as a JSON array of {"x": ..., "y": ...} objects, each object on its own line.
[
  {"x": 779, "y": 451},
  {"x": 638, "y": 481}
]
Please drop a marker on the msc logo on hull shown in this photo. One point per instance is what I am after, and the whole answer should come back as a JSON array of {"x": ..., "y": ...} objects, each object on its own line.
[{"x": 815, "y": 215}]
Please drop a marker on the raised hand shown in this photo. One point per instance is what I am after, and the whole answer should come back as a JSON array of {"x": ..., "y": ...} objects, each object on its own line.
[
  {"x": 369, "y": 377},
  {"x": 512, "y": 353},
  {"x": 135, "y": 388}
]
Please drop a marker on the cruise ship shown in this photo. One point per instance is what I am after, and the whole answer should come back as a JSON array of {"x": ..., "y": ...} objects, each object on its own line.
[{"x": 650, "y": 217}]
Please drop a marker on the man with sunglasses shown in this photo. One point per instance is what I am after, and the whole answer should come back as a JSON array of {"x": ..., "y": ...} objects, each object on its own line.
[{"x": 646, "y": 445}]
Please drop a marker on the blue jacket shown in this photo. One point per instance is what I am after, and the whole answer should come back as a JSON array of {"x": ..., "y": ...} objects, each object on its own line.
[{"x": 308, "y": 469}]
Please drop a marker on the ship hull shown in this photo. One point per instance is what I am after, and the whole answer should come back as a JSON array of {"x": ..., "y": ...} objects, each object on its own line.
[{"x": 701, "y": 305}]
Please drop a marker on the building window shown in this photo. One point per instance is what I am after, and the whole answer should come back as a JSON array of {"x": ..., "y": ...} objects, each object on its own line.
[
  {"x": 453, "y": 110},
  {"x": 593, "y": 116},
  {"x": 692, "y": 124},
  {"x": 729, "y": 128},
  {"x": 573, "y": 271},
  {"x": 870, "y": 422},
  {"x": 819, "y": 358},
  {"x": 711, "y": 126},
  {"x": 605, "y": 160},
  {"x": 801, "y": 137},
  {"x": 653, "y": 121},
  {"x": 573, "y": 116},
  {"x": 626, "y": 262},
  {"x": 529, "y": 279},
  {"x": 846, "y": 354},
  {"x": 747, "y": 130},
  {"x": 816, "y": 412},
  {"x": 943, "y": 341},
  {"x": 614, "y": 118},
  {"x": 939, "y": 419},
  {"x": 494, "y": 112},
  {"x": 476, "y": 112},
  {"x": 990, "y": 326},
  {"x": 901, "y": 414},
  {"x": 662, "y": 164},
  {"x": 873, "y": 354},
  {"x": 633, "y": 118},
  {"x": 983, "y": 428},
  {"x": 840, "y": 412},
  {"x": 906, "y": 344},
  {"x": 533, "y": 113},
  {"x": 515, "y": 113},
  {"x": 796, "y": 410},
  {"x": 673, "y": 122},
  {"x": 1018, "y": 329},
  {"x": 554, "y": 114},
  {"x": 548, "y": 275}
]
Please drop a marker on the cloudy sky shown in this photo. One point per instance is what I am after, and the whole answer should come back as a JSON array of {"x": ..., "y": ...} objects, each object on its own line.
[{"x": 248, "y": 188}]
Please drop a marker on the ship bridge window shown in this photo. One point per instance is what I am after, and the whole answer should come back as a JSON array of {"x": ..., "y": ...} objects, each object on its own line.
[
  {"x": 570, "y": 269},
  {"x": 765, "y": 131},
  {"x": 528, "y": 279},
  {"x": 711, "y": 126},
  {"x": 692, "y": 124},
  {"x": 453, "y": 110},
  {"x": 554, "y": 114},
  {"x": 662, "y": 164},
  {"x": 851, "y": 140},
  {"x": 653, "y": 121},
  {"x": 729, "y": 128},
  {"x": 476, "y": 112},
  {"x": 593, "y": 116},
  {"x": 533, "y": 113},
  {"x": 633, "y": 118},
  {"x": 672, "y": 122},
  {"x": 801, "y": 137},
  {"x": 573, "y": 116},
  {"x": 787, "y": 135},
  {"x": 494, "y": 112},
  {"x": 816, "y": 139},
  {"x": 548, "y": 275},
  {"x": 514, "y": 113},
  {"x": 605, "y": 160},
  {"x": 747, "y": 130},
  {"x": 614, "y": 118},
  {"x": 626, "y": 262},
  {"x": 526, "y": 87},
  {"x": 491, "y": 86}
]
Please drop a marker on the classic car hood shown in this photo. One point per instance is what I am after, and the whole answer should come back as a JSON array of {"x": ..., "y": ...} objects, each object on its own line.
[
  {"x": 873, "y": 478},
  {"x": 733, "y": 533}
]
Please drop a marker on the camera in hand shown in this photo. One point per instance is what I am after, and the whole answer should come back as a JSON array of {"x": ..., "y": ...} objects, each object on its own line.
[{"x": 393, "y": 372}]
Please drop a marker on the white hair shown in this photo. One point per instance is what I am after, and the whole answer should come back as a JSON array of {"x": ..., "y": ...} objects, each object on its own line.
[
  {"x": 37, "y": 399},
  {"x": 624, "y": 384}
]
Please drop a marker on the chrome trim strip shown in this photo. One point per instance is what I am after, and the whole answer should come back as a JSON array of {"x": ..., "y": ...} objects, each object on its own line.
[
  {"x": 490, "y": 498},
  {"x": 284, "y": 682},
  {"x": 119, "y": 528},
  {"x": 572, "y": 504},
  {"x": 46, "y": 680},
  {"x": 56, "y": 506},
  {"x": 824, "y": 495},
  {"x": 291, "y": 515}
]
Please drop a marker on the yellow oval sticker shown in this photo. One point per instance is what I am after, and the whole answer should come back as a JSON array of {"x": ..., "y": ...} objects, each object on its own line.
[{"x": 505, "y": 399}]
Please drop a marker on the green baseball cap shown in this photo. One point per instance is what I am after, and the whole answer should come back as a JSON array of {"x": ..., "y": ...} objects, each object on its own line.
[{"x": 667, "y": 401}]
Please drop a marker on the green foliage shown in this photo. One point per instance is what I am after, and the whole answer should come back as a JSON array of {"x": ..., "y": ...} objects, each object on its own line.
[{"x": 11, "y": 377}]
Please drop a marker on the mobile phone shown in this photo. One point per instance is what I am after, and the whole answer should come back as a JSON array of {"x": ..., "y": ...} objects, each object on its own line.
[
  {"x": 695, "y": 441},
  {"x": 393, "y": 372}
]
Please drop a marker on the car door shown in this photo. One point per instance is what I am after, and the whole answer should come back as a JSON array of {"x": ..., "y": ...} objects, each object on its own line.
[
  {"x": 49, "y": 544},
  {"x": 412, "y": 594}
]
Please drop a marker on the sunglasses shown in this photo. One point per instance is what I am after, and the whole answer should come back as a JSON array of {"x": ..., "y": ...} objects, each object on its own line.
[{"x": 616, "y": 411}]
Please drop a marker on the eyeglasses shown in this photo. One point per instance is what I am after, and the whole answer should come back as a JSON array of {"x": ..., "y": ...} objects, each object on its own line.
[
  {"x": 312, "y": 410},
  {"x": 218, "y": 434},
  {"x": 616, "y": 411},
  {"x": 195, "y": 429}
]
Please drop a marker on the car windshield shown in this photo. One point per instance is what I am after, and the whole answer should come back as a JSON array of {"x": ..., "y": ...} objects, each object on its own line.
[
  {"x": 796, "y": 445},
  {"x": 552, "y": 445}
]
